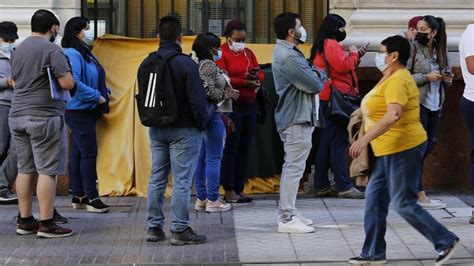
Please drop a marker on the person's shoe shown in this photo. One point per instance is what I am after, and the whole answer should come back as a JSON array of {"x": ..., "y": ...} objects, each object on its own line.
[
  {"x": 8, "y": 197},
  {"x": 217, "y": 206},
  {"x": 325, "y": 192},
  {"x": 295, "y": 226},
  {"x": 186, "y": 237},
  {"x": 58, "y": 218},
  {"x": 305, "y": 221},
  {"x": 471, "y": 221},
  {"x": 27, "y": 227},
  {"x": 200, "y": 205},
  {"x": 446, "y": 254},
  {"x": 97, "y": 206},
  {"x": 432, "y": 204},
  {"x": 364, "y": 261},
  {"x": 155, "y": 234},
  {"x": 80, "y": 202},
  {"x": 352, "y": 193},
  {"x": 51, "y": 230},
  {"x": 240, "y": 200}
]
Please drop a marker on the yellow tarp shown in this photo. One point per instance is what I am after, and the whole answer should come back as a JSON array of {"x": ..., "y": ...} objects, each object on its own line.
[{"x": 123, "y": 161}]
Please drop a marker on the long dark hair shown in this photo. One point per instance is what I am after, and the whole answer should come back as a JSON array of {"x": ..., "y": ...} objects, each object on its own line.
[
  {"x": 330, "y": 25},
  {"x": 439, "y": 40},
  {"x": 70, "y": 39},
  {"x": 203, "y": 43}
]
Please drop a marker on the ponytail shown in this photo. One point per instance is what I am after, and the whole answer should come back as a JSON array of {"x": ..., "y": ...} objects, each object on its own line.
[{"x": 441, "y": 43}]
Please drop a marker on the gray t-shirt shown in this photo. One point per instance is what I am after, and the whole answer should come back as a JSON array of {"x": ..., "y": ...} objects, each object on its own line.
[{"x": 32, "y": 94}]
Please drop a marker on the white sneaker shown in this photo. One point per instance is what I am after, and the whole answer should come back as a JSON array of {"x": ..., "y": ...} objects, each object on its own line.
[
  {"x": 294, "y": 226},
  {"x": 217, "y": 206},
  {"x": 200, "y": 205},
  {"x": 432, "y": 204},
  {"x": 305, "y": 221}
]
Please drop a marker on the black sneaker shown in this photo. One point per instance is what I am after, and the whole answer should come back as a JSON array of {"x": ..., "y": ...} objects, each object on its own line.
[
  {"x": 27, "y": 227},
  {"x": 364, "y": 261},
  {"x": 51, "y": 230},
  {"x": 8, "y": 197},
  {"x": 58, "y": 218},
  {"x": 97, "y": 206},
  {"x": 446, "y": 254},
  {"x": 80, "y": 202},
  {"x": 186, "y": 237},
  {"x": 325, "y": 192},
  {"x": 155, "y": 234}
]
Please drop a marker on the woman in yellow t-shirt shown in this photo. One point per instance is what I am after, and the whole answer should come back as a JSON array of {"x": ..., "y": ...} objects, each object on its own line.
[{"x": 392, "y": 124}]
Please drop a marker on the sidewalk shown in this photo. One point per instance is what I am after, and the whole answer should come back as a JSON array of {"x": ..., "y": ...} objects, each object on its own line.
[{"x": 247, "y": 235}]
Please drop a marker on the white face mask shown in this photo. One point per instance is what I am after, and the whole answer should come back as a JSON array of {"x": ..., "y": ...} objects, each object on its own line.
[
  {"x": 380, "y": 61},
  {"x": 237, "y": 47},
  {"x": 89, "y": 37},
  {"x": 7, "y": 47},
  {"x": 303, "y": 36}
]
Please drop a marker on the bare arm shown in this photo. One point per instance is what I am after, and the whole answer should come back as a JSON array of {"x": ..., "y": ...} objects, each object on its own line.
[
  {"x": 470, "y": 64},
  {"x": 66, "y": 81}
]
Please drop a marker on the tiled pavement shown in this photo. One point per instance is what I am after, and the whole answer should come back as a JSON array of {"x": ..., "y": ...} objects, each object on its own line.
[{"x": 246, "y": 235}]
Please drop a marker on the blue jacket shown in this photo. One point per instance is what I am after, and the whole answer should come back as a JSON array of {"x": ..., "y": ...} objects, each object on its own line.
[
  {"x": 86, "y": 77},
  {"x": 296, "y": 84},
  {"x": 189, "y": 91}
]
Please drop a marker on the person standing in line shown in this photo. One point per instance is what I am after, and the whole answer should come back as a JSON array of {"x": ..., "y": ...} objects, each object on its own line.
[
  {"x": 207, "y": 47},
  {"x": 176, "y": 146},
  {"x": 410, "y": 33},
  {"x": 466, "y": 54},
  {"x": 296, "y": 115},
  {"x": 89, "y": 103},
  {"x": 37, "y": 124}
]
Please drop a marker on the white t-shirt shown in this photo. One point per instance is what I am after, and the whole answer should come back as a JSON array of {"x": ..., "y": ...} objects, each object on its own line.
[{"x": 466, "y": 49}]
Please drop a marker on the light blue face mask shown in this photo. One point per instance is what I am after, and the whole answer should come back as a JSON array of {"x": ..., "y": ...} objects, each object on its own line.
[
  {"x": 89, "y": 37},
  {"x": 7, "y": 47},
  {"x": 217, "y": 56},
  {"x": 380, "y": 61}
]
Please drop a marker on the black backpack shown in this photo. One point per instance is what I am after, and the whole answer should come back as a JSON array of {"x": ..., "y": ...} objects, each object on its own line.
[{"x": 156, "y": 99}]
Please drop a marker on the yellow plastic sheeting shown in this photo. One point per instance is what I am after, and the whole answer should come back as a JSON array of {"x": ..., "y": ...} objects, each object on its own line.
[{"x": 123, "y": 161}]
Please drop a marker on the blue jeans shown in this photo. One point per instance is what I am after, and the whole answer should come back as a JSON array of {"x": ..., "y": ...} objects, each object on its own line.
[
  {"x": 82, "y": 154},
  {"x": 174, "y": 149},
  {"x": 395, "y": 177},
  {"x": 332, "y": 154},
  {"x": 430, "y": 121},
  {"x": 237, "y": 147},
  {"x": 209, "y": 163},
  {"x": 467, "y": 109}
]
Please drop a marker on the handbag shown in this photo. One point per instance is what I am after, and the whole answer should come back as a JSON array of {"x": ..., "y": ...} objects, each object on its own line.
[
  {"x": 341, "y": 105},
  {"x": 262, "y": 105}
]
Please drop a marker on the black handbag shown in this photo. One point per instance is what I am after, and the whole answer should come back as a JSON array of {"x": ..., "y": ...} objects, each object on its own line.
[{"x": 341, "y": 105}]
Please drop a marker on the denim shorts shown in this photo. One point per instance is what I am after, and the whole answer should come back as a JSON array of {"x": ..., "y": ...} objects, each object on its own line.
[{"x": 40, "y": 143}]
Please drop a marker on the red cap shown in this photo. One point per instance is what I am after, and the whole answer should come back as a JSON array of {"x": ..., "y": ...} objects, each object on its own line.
[{"x": 413, "y": 21}]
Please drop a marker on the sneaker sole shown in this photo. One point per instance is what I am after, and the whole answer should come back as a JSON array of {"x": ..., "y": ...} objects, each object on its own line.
[
  {"x": 199, "y": 208},
  {"x": 50, "y": 235},
  {"x": 211, "y": 210},
  {"x": 95, "y": 210},
  {"x": 25, "y": 232},
  {"x": 367, "y": 262},
  {"x": 434, "y": 207},
  {"x": 175, "y": 242},
  {"x": 447, "y": 258},
  {"x": 78, "y": 206},
  {"x": 288, "y": 231},
  {"x": 154, "y": 239},
  {"x": 8, "y": 201}
]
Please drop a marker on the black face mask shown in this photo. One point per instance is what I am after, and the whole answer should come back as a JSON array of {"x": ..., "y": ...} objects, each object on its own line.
[
  {"x": 340, "y": 36},
  {"x": 422, "y": 38},
  {"x": 53, "y": 38}
]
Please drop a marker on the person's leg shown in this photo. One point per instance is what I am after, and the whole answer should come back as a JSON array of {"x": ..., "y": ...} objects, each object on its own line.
[
  {"x": 230, "y": 155},
  {"x": 74, "y": 165},
  {"x": 338, "y": 153},
  {"x": 297, "y": 144},
  {"x": 8, "y": 165},
  {"x": 184, "y": 151},
  {"x": 200, "y": 174},
  {"x": 248, "y": 130},
  {"x": 402, "y": 168},
  {"x": 467, "y": 110},
  {"x": 46, "y": 192},
  {"x": 160, "y": 170},
  {"x": 215, "y": 137},
  {"x": 322, "y": 163},
  {"x": 376, "y": 209},
  {"x": 24, "y": 190}
]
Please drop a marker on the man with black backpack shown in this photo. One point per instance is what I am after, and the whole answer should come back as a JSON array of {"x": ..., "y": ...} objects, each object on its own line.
[{"x": 172, "y": 102}]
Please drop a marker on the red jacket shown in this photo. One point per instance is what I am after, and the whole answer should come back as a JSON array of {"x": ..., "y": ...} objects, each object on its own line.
[
  {"x": 341, "y": 66},
  {"x": 237, "y": 66}
]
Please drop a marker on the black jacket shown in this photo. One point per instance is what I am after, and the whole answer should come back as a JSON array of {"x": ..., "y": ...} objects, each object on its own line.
[{"x": 189, "y": 91}]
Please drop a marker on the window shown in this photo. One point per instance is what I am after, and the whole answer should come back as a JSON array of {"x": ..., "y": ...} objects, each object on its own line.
[{"x": 140, "y": 18}]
